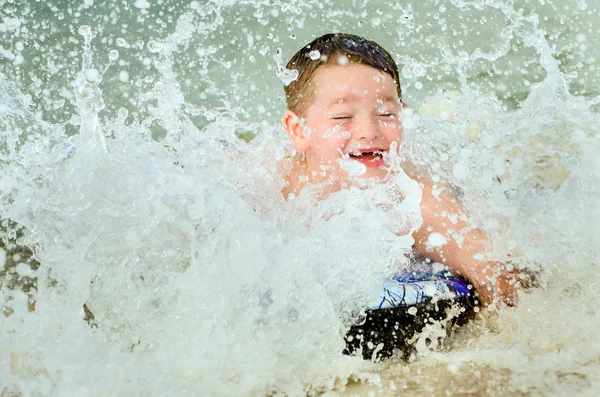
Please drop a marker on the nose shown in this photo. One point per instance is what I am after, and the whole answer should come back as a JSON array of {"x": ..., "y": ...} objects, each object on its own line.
[{"x": 367, "y": 129}]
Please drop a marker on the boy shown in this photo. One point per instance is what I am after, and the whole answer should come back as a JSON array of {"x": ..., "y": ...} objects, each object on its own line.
[{"x": 346, "y": 103}]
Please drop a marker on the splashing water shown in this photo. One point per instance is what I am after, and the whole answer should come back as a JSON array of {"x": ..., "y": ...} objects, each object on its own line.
[{"x": 147, "y": 249}]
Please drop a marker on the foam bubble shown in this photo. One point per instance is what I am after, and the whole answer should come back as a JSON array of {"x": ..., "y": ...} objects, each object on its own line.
[{"x": 353, "y": 167}]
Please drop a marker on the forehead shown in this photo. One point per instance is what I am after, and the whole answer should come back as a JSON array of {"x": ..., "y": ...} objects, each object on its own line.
[{"x": 353, "y": 80}]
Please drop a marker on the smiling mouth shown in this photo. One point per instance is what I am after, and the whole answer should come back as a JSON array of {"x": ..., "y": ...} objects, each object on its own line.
[
  {"x": 367, "y": 156},
  {"x": 370, "y": 159}
]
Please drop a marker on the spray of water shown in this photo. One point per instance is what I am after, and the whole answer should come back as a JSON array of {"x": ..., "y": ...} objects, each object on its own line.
[{"x": 148, "y": 249}]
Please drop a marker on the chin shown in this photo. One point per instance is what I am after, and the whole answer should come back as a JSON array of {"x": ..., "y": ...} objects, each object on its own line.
[{"x": 375, "y": 173}]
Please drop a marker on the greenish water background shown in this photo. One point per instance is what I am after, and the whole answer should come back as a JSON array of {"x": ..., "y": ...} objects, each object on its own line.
[{"x": 228, "y": 64}]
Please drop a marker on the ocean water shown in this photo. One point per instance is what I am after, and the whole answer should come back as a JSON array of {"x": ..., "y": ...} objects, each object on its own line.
[{"x": 147, "y": 250}]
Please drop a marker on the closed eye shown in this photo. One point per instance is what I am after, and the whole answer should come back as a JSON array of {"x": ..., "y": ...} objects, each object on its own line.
[
  {"x": 389, "y": 115},
  {"x": 341, "y": 117}
]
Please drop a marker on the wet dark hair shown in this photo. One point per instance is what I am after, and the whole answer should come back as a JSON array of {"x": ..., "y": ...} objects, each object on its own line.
[{"x": 330, "y": 47}]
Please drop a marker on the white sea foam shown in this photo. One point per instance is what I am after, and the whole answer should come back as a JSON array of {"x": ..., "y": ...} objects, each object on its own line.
[{"x": 143, "y": 204}]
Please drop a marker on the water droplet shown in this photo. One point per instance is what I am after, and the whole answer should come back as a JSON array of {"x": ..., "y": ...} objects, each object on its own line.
[
  {"x": 413, "y": 69},
  {"x": 154, "y": 46},
  {"x": 85, "y": 30},
  {"x": 343, "y": 60},
  {"x": 314, "y": 55},
  {"x": 92, "y": 75},
  {"x": 113, "y": 55},
  {"x": 141, "y": 4},
  {"x": 23, "y": 269}
]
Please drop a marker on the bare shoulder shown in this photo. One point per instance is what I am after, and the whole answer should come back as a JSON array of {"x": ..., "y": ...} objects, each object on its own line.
[{"x": 438, "y": 199}]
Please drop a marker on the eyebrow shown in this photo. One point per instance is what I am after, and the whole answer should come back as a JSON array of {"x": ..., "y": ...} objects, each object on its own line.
[
  {"x": 343, "y": 99},
  {"x": 393, "y": 99},
  {"x": 354, "y": 98}
]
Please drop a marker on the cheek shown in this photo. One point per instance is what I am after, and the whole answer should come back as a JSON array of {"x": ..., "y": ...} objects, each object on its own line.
[
  {"x": 392, "y": 131},
  {"x": 334, "y": 136},
  {"x": 323, "y": 143}
]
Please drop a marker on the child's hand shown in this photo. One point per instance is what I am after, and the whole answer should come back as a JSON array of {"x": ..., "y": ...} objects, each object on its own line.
[
  {"x": 507, "y": 288},
  {"x": 502, "y": 289}
]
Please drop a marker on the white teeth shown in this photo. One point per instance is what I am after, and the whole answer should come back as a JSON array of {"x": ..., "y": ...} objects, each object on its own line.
[
  {"x": 358, "y": 154},
  {"x": 376, "y": 156}
]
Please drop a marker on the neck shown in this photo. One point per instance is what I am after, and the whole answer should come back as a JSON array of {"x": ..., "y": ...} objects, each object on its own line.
[{"x": 296, "y": 176}]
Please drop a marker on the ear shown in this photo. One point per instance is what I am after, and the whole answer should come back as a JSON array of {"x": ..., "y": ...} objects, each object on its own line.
[{"x": 295, "y": 130}]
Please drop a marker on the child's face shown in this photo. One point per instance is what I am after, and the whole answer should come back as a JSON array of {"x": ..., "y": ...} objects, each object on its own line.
[{"x": 354, "y": 113}]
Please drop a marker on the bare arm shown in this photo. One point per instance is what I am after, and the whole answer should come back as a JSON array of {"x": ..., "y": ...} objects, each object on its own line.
[{"x": 446, "y": 238}]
